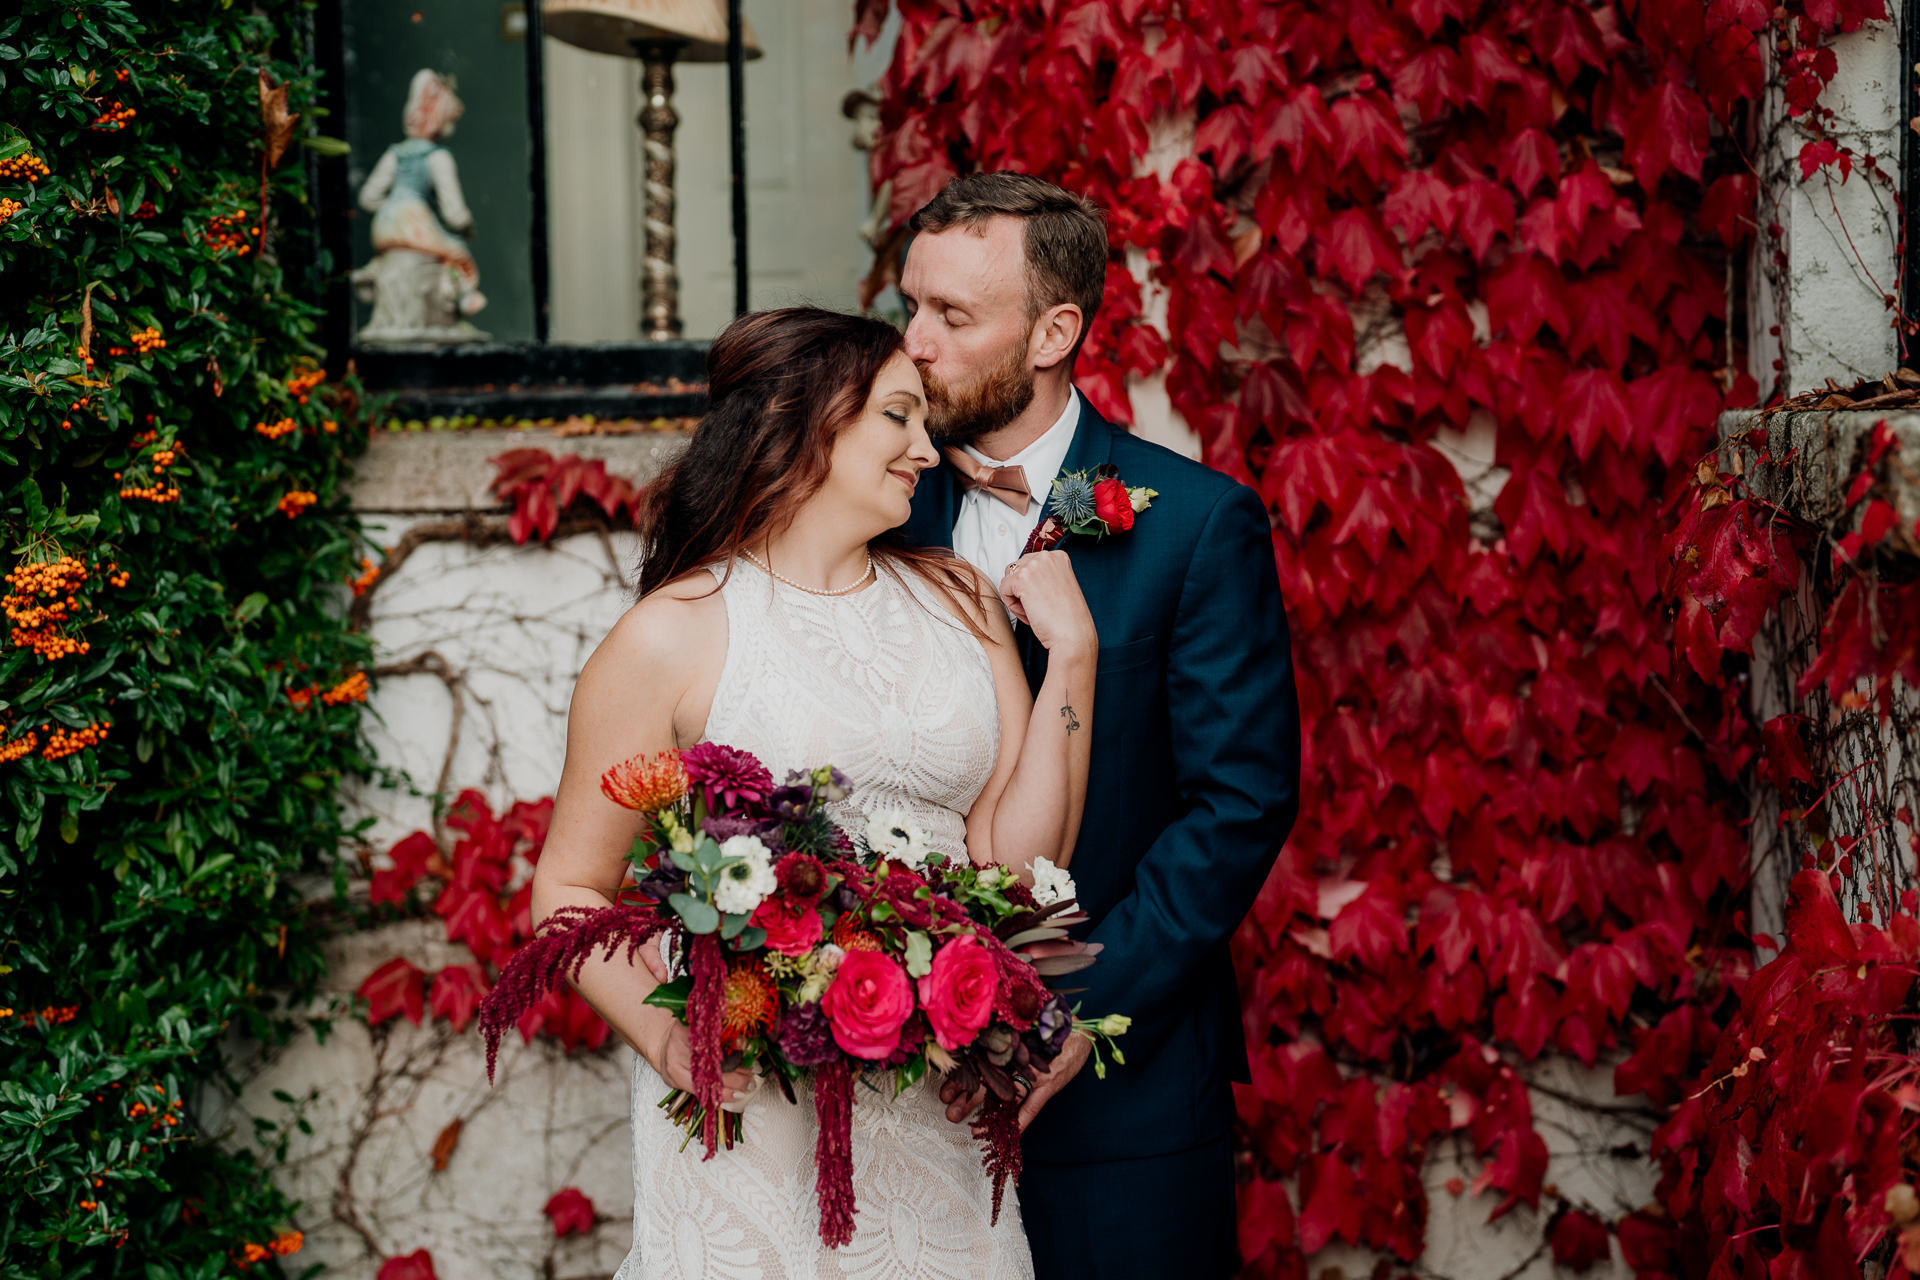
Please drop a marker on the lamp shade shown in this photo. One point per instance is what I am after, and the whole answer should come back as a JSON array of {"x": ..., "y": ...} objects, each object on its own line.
[{"x": 611, "y": 26}]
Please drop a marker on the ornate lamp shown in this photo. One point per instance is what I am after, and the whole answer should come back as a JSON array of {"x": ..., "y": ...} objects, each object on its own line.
[{"x": 659, "y": 33}]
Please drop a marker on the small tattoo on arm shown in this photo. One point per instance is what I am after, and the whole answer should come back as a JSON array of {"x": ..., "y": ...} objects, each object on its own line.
[{"x": 1073, "y": 721}]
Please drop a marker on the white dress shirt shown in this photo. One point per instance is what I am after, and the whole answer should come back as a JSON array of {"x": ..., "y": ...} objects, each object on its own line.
[{"x": 987, "y": 534}]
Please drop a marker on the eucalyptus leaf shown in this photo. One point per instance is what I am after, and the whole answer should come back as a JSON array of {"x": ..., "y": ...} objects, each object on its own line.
[{"x": 698, "y": 916}]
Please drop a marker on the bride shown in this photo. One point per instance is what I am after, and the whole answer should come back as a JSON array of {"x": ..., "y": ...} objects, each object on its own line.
[{"x": 780, "y": 613}]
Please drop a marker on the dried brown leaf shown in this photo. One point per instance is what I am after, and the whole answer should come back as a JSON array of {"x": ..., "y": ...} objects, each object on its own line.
[
  {"x": 444, "y": 1144},
  {"x": 274, "y": 118}
]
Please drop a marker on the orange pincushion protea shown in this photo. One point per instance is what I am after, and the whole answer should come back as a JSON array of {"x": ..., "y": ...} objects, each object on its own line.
[
  {"x": 648, "y": 784},
  {"x": 849, "y": 936},
  {"x": 749, "y": 1002}
]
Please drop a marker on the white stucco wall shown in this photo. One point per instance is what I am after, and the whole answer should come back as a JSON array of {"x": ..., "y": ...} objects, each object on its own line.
[{"x": 513, "y": 625}]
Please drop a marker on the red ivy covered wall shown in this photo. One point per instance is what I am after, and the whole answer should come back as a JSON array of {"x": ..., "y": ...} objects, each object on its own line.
[{"x": 1522, "y": 831}]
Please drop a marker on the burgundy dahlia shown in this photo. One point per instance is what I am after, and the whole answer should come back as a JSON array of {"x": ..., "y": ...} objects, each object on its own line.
[
  {"x": 806, "y": 1036},
  {"x": 731, "y": 778},
  {"x": 802, "y": 876}
]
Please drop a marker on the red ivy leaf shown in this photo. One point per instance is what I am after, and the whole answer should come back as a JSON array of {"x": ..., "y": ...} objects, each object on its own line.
[
  {"x": 1786, "y": 752},
  {"x": 1817, "y": 931},
  {"x": 516, "y": 467},
  {"x": 458, "y": 990},
  {"x": 395, "y": 987},
  {"x": 410, "y": 858},
  {"x": 1266, "y": 1218},
  {"x": 1579, "y": 1240},
  {"x": 1667, "y": 131},
  {"x": 572, "y": 1212},
  {"x": 1815, "y": 156},
  {"x": 1370, "y": 927},
  {"x": 417, "y": 1265}
]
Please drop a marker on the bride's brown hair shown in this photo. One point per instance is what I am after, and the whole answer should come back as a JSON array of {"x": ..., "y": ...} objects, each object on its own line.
[{"x": 781, "y": 386}]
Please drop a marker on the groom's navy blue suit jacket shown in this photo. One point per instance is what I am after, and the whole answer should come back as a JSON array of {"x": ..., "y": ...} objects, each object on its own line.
[{"x": 1194, "y": 786}]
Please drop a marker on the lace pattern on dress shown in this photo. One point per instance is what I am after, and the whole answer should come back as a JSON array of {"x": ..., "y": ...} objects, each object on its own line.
[
  {"x": 887, "y": 687},
  {"x": 884, "y": 684}
]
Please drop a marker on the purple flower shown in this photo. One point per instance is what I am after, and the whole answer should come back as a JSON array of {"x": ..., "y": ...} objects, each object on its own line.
[
  {"x": 806, "y": 1036},
  {"x": 723, "y": 829},
  {"x": 1051, "y": 1028},
  {"x": 733, "y": 779},
  {"x": 663, "y": 881},
  {"x": 790, "y": 803}
]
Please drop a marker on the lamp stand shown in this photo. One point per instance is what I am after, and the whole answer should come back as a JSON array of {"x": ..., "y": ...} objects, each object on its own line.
[{"x": 660, "y": 282}]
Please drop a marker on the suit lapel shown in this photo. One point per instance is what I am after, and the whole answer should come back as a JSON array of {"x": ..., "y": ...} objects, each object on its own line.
[{"x": 1092, "y": 447}]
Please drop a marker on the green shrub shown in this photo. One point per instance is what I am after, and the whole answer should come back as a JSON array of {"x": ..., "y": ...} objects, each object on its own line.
[{"x": 145, "y": 903}]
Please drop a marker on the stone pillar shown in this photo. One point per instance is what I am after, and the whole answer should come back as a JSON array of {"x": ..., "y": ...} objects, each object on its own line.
[{"x": 1825, "y": 267}]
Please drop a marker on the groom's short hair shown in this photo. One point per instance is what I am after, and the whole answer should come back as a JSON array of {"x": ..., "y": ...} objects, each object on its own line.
[{"x": 1064, "y": 235}]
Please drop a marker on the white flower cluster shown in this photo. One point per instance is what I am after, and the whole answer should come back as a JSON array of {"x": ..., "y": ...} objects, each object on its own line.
[
  {"x": 1051, "y": 884},
  {"x": 745, "y": 884},
  {"x": 892, "y": 834}
]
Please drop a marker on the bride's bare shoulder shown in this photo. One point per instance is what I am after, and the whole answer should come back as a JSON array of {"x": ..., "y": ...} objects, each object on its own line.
[{"x": 673, "y": 632}]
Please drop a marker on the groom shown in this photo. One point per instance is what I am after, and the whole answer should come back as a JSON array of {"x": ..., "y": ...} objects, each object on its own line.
[{"x": 1196, "y": 756}]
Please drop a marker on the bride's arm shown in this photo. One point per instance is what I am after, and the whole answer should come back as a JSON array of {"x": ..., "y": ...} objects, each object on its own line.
[
  {"x": 645, "y": 689},
  {"x": 1031, "y": 806}
]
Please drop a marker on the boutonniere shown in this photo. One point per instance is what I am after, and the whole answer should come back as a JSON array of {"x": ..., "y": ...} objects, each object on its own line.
[{"x": 1093, "y": 504}]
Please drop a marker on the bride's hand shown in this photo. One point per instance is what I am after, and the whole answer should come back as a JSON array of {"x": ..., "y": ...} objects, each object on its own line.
[
  {"x": 673, "y": 1062},
  {"x": 1041, "y": 590}
]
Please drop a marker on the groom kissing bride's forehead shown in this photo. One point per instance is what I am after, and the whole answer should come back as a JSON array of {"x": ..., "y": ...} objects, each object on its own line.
[{"x": 1193, "y": 784}]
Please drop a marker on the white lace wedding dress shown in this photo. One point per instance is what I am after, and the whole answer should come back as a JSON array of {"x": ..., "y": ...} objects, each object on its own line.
[{"x": 886, "y": 686}]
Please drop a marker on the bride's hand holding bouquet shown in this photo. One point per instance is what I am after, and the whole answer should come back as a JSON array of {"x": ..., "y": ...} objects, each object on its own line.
[{"x": 808, "y": 957}]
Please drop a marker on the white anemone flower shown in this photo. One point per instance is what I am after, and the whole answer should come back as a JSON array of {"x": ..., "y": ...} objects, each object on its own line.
[
  {"x": 892, "y": 834},
  {"x": 746, "y": 884},
  {"x": 1051, "y": 884}
]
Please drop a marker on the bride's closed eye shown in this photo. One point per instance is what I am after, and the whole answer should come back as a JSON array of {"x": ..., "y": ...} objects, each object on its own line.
[{"x": 898, "y": 415}]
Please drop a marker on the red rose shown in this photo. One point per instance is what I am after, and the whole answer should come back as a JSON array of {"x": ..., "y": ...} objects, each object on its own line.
[
  {"x": 1113, "y": 505},
  {"x": 792, "y": 927},
  {"x": 867, "y": 1004},
  {"x": 958, "y": 991}
]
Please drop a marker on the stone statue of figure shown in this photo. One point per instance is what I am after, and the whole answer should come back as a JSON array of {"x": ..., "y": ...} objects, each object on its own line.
[{"x": 423, "y": 280}]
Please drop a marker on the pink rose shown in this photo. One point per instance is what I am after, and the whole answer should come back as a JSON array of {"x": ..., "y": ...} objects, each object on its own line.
[
  {"x": 792, "y": 927},
  {"x": 868, "y": 1002},
  {"x": 958, "y": 991}
]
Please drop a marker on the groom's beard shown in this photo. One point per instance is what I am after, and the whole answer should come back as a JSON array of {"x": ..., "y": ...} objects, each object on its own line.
[{"x": 960, "y": 414}]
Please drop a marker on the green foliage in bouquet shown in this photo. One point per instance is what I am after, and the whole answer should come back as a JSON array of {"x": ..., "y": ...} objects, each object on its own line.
[{"x": 178, "y": 689}]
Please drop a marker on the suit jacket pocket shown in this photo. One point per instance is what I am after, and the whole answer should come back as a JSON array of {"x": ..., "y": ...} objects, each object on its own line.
[{"x": 1122, "y": 657}]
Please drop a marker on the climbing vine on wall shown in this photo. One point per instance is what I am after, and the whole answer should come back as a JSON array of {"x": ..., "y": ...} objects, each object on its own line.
[
  {"x": 178, "y": 688},
  {"x": 1378, "y": 228}
]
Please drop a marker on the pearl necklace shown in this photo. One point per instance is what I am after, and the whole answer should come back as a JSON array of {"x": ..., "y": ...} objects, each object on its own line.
[{"x": 812, "y": 591}]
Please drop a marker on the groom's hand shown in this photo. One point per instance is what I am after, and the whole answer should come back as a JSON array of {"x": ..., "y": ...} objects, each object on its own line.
[
  {"x": 960, "y": 1103},
  {"x": 1064, "y": 1069}
]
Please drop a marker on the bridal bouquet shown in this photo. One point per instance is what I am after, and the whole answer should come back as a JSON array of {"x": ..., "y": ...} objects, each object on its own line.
[{"x": 809, "y": 956}]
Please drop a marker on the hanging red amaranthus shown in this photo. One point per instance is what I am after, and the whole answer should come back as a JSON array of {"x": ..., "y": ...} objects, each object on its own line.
[{"x": 833, "y": 1152}]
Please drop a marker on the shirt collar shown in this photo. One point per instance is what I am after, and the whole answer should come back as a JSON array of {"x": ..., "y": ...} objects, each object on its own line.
[{"x": 1043, "y": 458}]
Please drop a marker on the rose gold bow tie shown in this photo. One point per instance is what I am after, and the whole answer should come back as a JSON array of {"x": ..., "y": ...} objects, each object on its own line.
[{"x": 1009, "y": 484}]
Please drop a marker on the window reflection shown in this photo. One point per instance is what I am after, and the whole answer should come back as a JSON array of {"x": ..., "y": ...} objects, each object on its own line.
[{"x": 437, "y": 107}]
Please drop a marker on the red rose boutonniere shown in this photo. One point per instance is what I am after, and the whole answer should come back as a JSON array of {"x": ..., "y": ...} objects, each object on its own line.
[{"x": 1094, "y": 504}]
